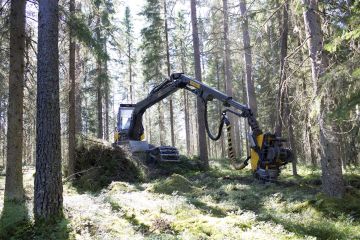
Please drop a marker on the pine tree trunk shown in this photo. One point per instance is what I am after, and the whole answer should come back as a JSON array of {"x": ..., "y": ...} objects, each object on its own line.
[
  {"x": 186, "y": 104},
  {"x": 78, "y": 98},
  {"x": 200, "y": 105},
  {"x": 187, "y": 124},
  {"x": 130, "y": 72},
  {"x": 107, "y": 97},
  {"x": 161, "y": 124},
  {"x": 1, "y": 130},
  {"x": 168, "y": 65},
  {"x": 14, "y": 179},
  {"x": 228, "y": 73},
  {"x": 250, "y": 89},
  {"x": 283, "y": 94},
  {"x": 332, "y": 178},
  {"x": 72, "y": 103},
  {"x": 283, "y": 52},
  {"x": 222, "y": 139},
  {"x": 246, "y": 128},
  {"x": 100, "y": 132},
  {"x": 48, "y": 185}
]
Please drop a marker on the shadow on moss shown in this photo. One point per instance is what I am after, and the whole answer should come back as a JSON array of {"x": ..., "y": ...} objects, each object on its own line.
[{"x": 15, "y": 223}]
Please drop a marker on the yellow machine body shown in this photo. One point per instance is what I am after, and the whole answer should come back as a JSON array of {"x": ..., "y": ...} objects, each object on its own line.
[{"x": 254, "y": 157}]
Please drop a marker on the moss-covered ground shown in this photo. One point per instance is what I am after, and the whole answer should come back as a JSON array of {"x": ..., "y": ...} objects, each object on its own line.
[{"x": 217, "y": 204}]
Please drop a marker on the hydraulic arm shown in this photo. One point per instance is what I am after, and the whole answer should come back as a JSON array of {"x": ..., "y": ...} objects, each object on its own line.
[{"x": 266, "y": 154}]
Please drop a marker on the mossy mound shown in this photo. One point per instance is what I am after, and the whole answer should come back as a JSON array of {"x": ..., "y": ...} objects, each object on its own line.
[
  {"x": 174, "y": 183},
  {"x": 115, "y": 187},
  {"x": 184, "y": 167},
  {"x": 98, "y": 164}
]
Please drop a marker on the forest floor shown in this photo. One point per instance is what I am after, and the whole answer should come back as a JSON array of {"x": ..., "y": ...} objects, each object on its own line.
[{"x": 218, "y": 204}]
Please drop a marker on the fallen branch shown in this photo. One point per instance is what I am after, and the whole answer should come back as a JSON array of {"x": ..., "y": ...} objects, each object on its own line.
[{"x": 78, "y": 173}]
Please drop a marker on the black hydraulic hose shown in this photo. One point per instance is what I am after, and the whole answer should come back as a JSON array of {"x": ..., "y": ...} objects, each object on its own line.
[{"x": 217, "y": 137}]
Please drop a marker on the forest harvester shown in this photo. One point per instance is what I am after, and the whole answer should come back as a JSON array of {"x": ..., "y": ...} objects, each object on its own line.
[{"x": 267, "y": 153}]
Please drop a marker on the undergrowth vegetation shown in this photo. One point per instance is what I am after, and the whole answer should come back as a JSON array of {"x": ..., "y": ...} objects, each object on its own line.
[{"x": 184, "y": 202}]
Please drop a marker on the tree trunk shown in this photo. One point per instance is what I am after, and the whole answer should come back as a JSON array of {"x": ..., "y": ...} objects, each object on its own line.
[
  {"x": 48, "y": 185},
  {"x": 200, "y": 105},
  {"x": 186, "y": 102},
  {"x": 130, "y": 73},
  {"x": 332, "y": 179},
  {"x": 250, "y": 89},
  {"x": 100, "y": 132},
  {"x": 14, "y": 179},
  {"x": 161, "y": 124},
  {"x": 283, "y": 93},
  {"x": 187, "y": 123},
  {"x": 78, "y": 98},
  {"x": 246, "y": 128},
  {"x": 72, "y": 103},
  {"x": 107, "y": 97},
  {"x": 228, "y": 73},
  {"x": 1, "y": 130},
  {"x": 222, "y": 139},
  {"x": 168, "y": 65},
  {"x": 283, "y": 52}
]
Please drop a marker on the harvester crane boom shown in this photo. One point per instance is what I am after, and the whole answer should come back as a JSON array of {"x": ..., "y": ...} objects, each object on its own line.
[{"x": 180, "y": 81}]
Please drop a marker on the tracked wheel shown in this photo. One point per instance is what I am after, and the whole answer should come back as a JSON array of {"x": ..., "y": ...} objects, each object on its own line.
[{"x": 164, "y": 154}]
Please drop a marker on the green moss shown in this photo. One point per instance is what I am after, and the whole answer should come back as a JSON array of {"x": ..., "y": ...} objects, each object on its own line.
[
  {"x": 174, "y": 183},
  {"x": 14, "y": 221}
]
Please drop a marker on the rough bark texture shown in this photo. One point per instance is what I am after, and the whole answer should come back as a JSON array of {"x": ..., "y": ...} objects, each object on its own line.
[
  {"x": 283, "y": 92},
  {"x": 100, "y": 132},
  {"x": 200, "y": 105},
  {"x": 161, "y": 124},
  {"x": 186, "y": 102},
  {"x": 78, "y": 110},
  {"x": 168, "y": 66},
  {"x": 187, "y": 123},
  {"x": 219, "y": 107},
  {"x": 107, "y": 97},
  {"x": 332, "y": 179},
  {"x": 250, "y": 89},
  {"x": 48, "y": 184},
  {"x": 14, "y": 181},
  {"x": 283, "y": 52},
  {"x": 72, "y": 103},
  {"x": 228, "y": 73}
]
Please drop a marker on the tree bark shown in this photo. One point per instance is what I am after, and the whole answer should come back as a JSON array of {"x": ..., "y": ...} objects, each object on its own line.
[
  {"x": 14, "y": 179},
  {"x": 2, "y": 145},
  {"x": 48, "y": 184},
  {"x": 107, "y": 97},
  {"x": 283, "y": 52},
  {"x": 72, "y": 103},
  {"x": 168, "y": 66},
  {"x": 186, "y": 101},
  {"x": 222, "y": 139},
  {"x": 100, "y": 131},
  {"x": 250, "y": 89},
  {"x": 283, "y": 92},
  {"x": 228, "y": 73},
  {"x": 200, "y": 105},
  {"x": 332, "y": 178},
  {"x": 161, "y": 124},
  {"x": 187, "y": 123},
  {"x": 78, "y": 83}
]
